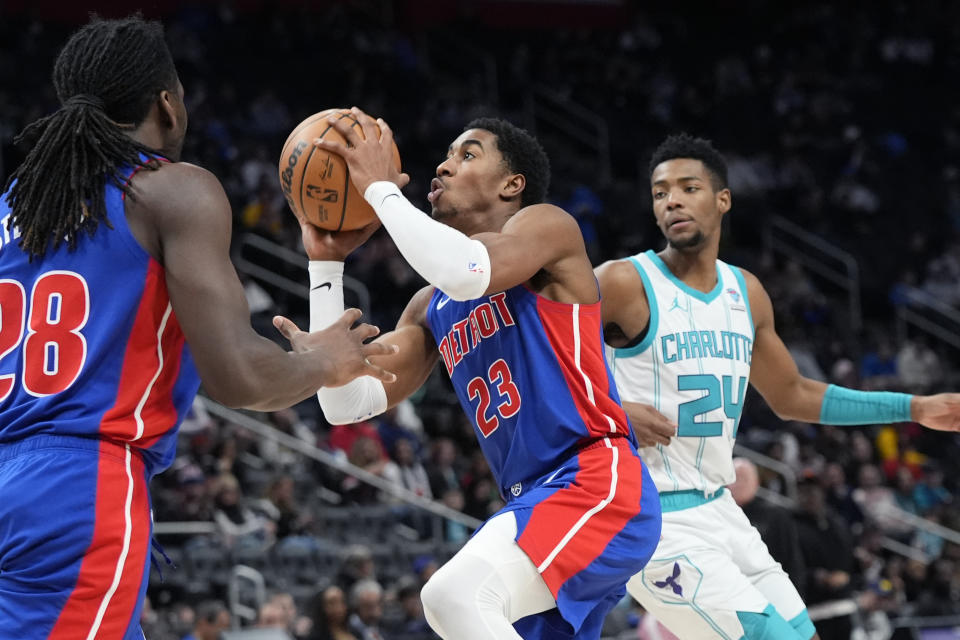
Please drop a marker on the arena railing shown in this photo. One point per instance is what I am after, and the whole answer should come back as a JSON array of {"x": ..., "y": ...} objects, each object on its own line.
[
  {"x": 815, "y": 254},
  {"x": 929, "y": 314},
  {"x": 266, "y": 431},
  {"x": 250, "y": 242},
  {"x": 546, "y": 107}
]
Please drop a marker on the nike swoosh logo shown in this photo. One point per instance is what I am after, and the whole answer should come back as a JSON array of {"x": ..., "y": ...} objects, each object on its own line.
[
  {"x": 321, "y": 286},
  {"x": 441, "y": 303}
]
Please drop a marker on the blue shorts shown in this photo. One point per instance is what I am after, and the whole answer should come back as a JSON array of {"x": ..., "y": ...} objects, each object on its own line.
[
  {"x": 75, "y": 532},
  {"x": 588, "y": 527}
]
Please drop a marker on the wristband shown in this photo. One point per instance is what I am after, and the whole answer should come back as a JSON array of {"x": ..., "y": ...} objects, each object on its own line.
[{"x": 842, "y": 406}]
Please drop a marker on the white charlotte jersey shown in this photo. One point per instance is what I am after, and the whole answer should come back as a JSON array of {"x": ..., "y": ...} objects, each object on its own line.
[{"x": 693, "y": 365}]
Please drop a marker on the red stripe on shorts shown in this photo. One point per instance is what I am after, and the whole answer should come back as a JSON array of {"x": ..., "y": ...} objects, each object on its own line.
[
  {"x": 105, "y": 596},
  {"x": 552, "y": 520}
]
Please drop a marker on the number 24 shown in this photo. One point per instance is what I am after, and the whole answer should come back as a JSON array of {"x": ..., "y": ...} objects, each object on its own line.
[{"x": 732, "y": 404}]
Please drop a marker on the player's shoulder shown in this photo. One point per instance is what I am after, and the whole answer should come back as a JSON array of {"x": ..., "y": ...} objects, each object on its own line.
[
  {"x": 543, "y": 214},
  {"x": 619, "y": 273},
  {"x": 416, "y": 310},
  {"x": 177, "y": 190},
  {"x": 751, "y": 281}
]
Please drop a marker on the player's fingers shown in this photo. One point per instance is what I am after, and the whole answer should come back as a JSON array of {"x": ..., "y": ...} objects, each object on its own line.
[
  {"x": 379, "y": 349},
  {"x": 349, "y": 317},
  {"x": 403, "y": 180},
  {"x": 330, "y": 145},
  {"x": 343, "y": 125},
  {"x": 663, "y": 428},
  {"x": 366, "y": 330},
  {"x": 286, "y": 327},
  {"x": 367, "y": 123},
  {"x": 386, "y": 133},
  {"x": 380, "y": 373}
]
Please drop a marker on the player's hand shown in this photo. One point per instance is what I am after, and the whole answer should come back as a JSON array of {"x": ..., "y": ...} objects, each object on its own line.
[
  {"x": 341, "y": 345},
  {"x": 649, "y": 425},
  {"x": 321, "y": 244},
  {"x": 370, "y": 159},
  {"x": 940, "y": 411}
]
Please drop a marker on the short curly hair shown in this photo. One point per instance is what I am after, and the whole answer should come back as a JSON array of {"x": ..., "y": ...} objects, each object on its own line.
[
  {"x": 522, "y": 154},
  {"x": 683, "y": 145}
]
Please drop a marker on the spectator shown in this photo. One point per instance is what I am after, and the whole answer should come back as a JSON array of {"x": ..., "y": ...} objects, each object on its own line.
[
  {"x": 775, "y": 524},
  {"x": 330, "y": 616},
  {"x": 827, "y": 550},
  {"x": 234, "y": 520},
  {"x": 366, "y": 605},
  {"x": 212, "y": 619}
]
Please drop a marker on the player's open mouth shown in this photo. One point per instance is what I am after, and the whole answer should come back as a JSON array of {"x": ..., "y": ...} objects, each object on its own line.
[
  {"x": 436, "y": 188},
  {"x": 680, "y": 224}
]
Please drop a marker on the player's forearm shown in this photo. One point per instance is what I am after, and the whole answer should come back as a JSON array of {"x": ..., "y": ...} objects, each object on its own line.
[
  {"x": 364, "y": 397},
  {"x": 446, "y": 258},
  {"x": 799, "y": 399},
  {"x": 273, "y": 379}
]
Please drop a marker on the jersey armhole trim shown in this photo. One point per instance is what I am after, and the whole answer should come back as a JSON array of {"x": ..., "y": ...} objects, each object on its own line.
[
  {"x": 654, "y": 316},
  {"x": 746, "y": 295}
]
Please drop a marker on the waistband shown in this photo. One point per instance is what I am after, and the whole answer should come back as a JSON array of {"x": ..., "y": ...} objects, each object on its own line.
[
  {"x": 15, "y": 448},
  {"x": 680, "y": 500}
]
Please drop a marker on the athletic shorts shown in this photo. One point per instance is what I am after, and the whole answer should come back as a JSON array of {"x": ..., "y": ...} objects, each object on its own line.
[
  {"x": 75, "y": 532},
  {"x": 712, "y": 577},
  {"x": 588, "y": 527}
]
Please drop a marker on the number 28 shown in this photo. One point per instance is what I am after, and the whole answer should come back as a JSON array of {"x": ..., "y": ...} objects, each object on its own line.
[{"x": 54, "y": 350}]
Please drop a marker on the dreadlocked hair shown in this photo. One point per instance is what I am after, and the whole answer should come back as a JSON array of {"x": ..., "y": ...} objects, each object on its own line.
[{"x": 107, "y": 76}]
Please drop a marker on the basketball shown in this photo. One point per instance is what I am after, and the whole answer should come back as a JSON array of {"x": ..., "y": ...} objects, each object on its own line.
[{"x": 316, "y": 183}]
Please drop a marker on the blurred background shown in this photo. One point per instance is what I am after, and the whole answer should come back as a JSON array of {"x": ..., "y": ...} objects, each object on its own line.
[{"x": 841, "y": 127}]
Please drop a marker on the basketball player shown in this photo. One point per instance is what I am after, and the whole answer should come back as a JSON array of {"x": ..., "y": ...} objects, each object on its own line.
[
  {"x": 700, "y": 329},
  {"x": 114, "y": 256},
  {"x": 513, "y": 311}
]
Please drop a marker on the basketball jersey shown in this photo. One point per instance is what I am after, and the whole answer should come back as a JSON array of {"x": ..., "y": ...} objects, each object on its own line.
[
  {"x": 531, "y": 375},
  {"x": 89, "y": 343},
  {"x": 693, "y": 366}
]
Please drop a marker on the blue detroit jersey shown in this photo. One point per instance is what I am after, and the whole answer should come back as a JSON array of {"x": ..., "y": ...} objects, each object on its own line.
[
  {"x": 531, "y": 375},
  {"x": 89, "y": 343}
]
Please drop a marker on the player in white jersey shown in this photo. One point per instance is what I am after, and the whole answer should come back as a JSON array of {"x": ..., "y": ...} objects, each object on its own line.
[{"x": 686, "y": 332}]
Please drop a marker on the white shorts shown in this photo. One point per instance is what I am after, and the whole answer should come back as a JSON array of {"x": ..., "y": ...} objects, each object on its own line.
[{"x": 712, "y": 577}]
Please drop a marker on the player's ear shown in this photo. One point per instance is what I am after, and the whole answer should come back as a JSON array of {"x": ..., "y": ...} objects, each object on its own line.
[
  {"x": 514, "y": 186},
  {"x": 724, "y": 200},
  {"x": 167, "y": 107}
]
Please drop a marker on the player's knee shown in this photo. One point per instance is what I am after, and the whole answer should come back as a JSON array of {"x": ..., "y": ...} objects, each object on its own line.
[{"x": 441, "y": 597}]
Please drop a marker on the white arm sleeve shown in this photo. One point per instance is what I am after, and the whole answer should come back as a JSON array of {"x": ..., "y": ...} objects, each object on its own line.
[
  {"x": 446, "y": 258},
  {"x": 364, "y": 397}
]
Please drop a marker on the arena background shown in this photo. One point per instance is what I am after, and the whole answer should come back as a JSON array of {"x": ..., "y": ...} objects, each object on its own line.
[{"x": 841, "y": 127}]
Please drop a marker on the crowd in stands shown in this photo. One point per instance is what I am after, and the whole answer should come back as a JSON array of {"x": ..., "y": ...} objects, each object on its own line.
[{"x": 834, "y": 115}]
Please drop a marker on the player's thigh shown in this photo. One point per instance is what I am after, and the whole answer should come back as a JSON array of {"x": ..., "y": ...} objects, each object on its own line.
[
  {"x": 74, "y": 534},
  {"x": 765, "y": 573}
]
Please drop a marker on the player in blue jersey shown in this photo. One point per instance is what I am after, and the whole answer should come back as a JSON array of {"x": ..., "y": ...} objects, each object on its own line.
[
  {"x": 688, "y": 332},
  {"x": 114, "y": 257},
  {"x": 513, "y": 311}
]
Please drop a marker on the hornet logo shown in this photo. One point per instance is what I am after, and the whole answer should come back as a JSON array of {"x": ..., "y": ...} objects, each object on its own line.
[{"x": 671, "y": 581}]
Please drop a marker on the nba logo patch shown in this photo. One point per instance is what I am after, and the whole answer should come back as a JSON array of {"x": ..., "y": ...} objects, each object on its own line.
[{"x": 735, "y": 297}]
